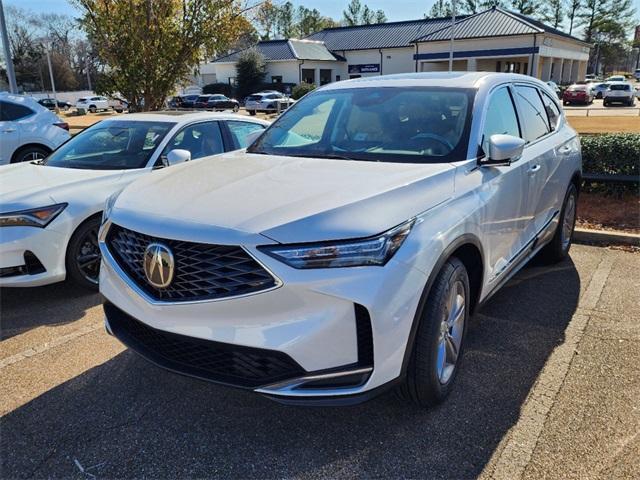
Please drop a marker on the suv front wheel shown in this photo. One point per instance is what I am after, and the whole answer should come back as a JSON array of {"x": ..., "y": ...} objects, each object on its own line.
[
  {"x": 439, "y": 342},
  {"x": 558, "y": 248}
]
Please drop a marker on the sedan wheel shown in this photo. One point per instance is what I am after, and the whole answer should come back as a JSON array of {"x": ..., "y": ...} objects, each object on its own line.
[
  {"x": 30, "y": 154},
  {"x": 83, "y": 254},
  {"x": 236, "y": 108}
]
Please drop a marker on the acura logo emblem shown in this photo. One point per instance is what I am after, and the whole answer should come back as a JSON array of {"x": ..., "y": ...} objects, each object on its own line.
[{"x": 158, "y": 265}]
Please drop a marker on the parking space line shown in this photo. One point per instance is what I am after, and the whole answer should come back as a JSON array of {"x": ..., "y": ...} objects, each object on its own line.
[
  {"x": 516, "y": 448},
  {"x": 30, "y": 352}
]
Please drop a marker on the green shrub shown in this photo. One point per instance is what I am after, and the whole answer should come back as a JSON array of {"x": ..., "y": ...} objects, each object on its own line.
[
  {"x": 251, "y": 69},
  {"x": 218, "y": 88},
  {"x": 301, "y": 90},
  {"x": 617, "y": 153}
]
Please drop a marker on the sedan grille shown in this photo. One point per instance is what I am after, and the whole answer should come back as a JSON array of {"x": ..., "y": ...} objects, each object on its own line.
[{"x": 202, "y": 271}]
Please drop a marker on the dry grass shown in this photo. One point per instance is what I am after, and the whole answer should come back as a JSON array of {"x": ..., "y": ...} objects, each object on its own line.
[
  {"x": 605, "y": 124},
  {"x": 609, "y": 213}
]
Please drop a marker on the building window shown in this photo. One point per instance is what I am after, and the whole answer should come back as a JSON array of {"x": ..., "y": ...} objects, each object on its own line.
[
  {"x": 276, "y": 79},
  {"x": 355, "y": 76},
  {"x": 308, "y": 75},
  {"x": 232, "y": 80},
  {"x": 337, "y": 78},
  {"x": 325, "y": 76}
]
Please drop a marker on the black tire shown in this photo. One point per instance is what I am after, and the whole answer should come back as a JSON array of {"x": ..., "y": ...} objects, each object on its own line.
[
  {"x": 565, "y": 103},
  {"x": 84, "y": 245},
  {"x": 558, "y": 248},
  {"x": 424, "y": 385},
  {"x": 93, "y": 109},
  {"x": 605, "y": 104},
  {"x": 30, "y": 153},
  {"x": 236, "y": 108},
  {"x": 252, "y": 112}
]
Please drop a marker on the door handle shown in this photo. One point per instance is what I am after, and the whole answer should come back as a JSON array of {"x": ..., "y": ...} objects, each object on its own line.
[
  {"x": 534, "y": 169},
  {"x": 9, "y": 130},
  {"x": 565, "y": 149}
]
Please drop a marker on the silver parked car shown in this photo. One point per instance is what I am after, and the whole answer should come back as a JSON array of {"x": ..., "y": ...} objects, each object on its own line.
[{"x": 619, "y": 92}]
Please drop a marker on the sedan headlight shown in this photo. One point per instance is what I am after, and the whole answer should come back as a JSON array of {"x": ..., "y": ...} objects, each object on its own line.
[
  {"x": 376, "y": 250},
  {"x": 108, "y": 205},
  {"x": 34, "y": 217}
]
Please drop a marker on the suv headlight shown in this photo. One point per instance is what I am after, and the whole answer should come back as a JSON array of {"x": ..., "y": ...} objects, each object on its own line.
[
  {"x": 34, "y": 217},
  {"x": 375, "y": 251}
]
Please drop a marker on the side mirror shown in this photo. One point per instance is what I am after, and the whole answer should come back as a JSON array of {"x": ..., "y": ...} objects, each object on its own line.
[
  {"x": 503, "y": 149},
  {"x": 177, "y": 156},
  {"x": 253, "y": 136}
]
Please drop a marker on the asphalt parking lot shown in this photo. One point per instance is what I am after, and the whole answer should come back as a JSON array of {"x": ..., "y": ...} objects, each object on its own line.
[{"x": 549, "y": 389}]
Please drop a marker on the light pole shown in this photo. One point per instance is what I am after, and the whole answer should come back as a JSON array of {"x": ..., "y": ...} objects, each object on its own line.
[
  {"x": 53, "y": 84},
  {"x": 453, "y": 26},
  {"x": 86, "y": 63},
  {"x": 11, "y": 74}
]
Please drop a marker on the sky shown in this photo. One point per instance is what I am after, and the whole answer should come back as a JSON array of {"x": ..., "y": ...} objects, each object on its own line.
[{"x": 394, "y": 9}]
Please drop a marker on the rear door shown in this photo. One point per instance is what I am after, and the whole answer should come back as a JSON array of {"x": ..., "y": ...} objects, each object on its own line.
[
  {"x": 10, "y": 116},
  {"x": 540, "y": 158}
]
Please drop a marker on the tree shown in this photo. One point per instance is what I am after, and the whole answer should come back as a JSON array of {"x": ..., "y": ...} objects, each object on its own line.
[
  {"x": 553, "y": 13},
  {"x": 251, "y": 69},
  {"x": 149, "y": 46},
  {"x": 358, "y": 14},
  {"x": 287, "y": 25},
  {"x": 267, "y": 17},
  {"x": 525, "y": 7},
  {"x": 573, "y": 11},
  {"x": 311, "y": 21},
  {"x": 440, "y": 9}
]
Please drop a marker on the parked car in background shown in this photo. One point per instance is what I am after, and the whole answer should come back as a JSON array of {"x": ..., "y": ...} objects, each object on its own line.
[
  {"x": 616, "y": 78},
  {"x": 201, "y": 101},
  {"x": 577, "y": 94},
  {"x": 93, "y": 104},
  {"x": 118, "y": 104},
  {"x": 598, "y": 89},
  {"x": 636, "y": 74},
  {"x": 50, "y": 210},
  {"x": 50, "y": 104},
  {"x": 222, "y": 102},
  {"x": 619, "y": 92},
  {"x": 267, "y": 102},
  {"x": 590, "y": 77},
  {"x": 345, "y": 250},
  {"x": 28, "y": 131},
  {"x": 554, "y": 86},
  {"x": 188, "y": 101}
]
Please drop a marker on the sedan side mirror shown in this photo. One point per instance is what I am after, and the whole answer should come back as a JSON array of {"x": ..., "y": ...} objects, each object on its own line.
[
  {"x": 177, "y": 156},
  {"x": 503, "y": 149},
  {"x": 253, "y": 136}
]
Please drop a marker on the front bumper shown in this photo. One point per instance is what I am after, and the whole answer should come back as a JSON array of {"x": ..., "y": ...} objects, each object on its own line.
[
  {"x": 342, "y": 332},
  {"x": 19, "y": 246}
]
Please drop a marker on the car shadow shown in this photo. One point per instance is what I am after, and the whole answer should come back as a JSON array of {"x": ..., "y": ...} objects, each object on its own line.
[
  {"x": 22, "y": 309},
  {"x": 128, "y": 418}
]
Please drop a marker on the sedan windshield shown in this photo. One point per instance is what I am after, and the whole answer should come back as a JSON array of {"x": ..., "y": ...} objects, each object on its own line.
[
  {"x": 389, "y": 124},
  {"x": 111, "y": 145}
]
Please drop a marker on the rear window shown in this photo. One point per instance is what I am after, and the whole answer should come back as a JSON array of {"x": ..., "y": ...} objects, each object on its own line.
[
  {"x": 255, "y": 97},
  {"x": 620, "y": 87},
  {"x": 577, "y": 88}
]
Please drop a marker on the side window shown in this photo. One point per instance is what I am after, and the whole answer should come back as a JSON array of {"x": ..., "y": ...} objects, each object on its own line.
[
  {"x": 240, "y": 130},
  {"x": 201, "y": 139},
  {"x": 12, "y": 111},
  {"x": 532, "y": 112},
  {"x": 553, "y": 112},
  {"x": 501, "y": 118}
]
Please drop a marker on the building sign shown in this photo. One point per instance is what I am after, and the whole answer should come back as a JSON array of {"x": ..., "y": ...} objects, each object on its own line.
[{"x": 365, "y": 68}]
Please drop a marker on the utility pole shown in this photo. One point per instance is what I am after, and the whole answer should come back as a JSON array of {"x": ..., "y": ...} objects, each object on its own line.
[
  {"x": 11, "y": 74},
  {"x": 53, "y": 84},
  {"x": 453, "y": 26}
]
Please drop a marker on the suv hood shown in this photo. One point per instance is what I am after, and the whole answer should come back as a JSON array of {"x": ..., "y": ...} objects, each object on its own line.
[
  {"x": 25, "y": 185},
  {"x": 286, "y": 199}
]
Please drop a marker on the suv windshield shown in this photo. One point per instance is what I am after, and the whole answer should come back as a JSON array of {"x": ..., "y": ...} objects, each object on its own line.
[
  {"x": 111, "y": 145},
  {"x": 389, "y": 124}
]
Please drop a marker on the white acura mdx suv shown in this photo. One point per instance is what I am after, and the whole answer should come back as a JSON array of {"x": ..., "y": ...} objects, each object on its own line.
[{"x": 343, "y": 252}]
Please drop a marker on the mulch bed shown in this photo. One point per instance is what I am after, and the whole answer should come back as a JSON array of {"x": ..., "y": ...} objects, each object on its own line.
[{"x": 604, "y": 212}]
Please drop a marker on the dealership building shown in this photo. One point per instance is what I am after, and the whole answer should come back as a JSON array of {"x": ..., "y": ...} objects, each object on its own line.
[{"x": 494, "y": 40}]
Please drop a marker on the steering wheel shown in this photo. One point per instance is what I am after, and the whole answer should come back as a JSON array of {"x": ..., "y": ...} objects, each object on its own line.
[{"x": 436, "y": 137}]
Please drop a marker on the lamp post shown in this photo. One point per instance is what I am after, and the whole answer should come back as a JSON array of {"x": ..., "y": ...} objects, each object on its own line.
[
  {"x": 11, "y": 74},
  {"x": 53, "y": 84}
]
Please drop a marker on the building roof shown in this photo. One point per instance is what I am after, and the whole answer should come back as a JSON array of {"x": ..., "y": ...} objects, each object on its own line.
[
  {"x": 495, "y": 22},
  {"x": 291, "y": 49},
  {"x": 381, "y": 35}
]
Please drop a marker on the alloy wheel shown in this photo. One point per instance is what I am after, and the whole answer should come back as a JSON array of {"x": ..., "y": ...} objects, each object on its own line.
[
  {"x": 88, "y": 256},
  {"x": 569, "y": 220},
  {"x": 32, "y": 156},
  {"x": 451, "y": 332}
]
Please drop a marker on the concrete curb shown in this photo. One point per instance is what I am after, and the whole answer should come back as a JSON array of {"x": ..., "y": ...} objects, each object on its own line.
[{"x": 606, "y": 237}]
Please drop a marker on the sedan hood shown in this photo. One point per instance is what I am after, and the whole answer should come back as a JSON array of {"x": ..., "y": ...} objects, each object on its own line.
[
  {"x": 287, "y": 199},
  {"x": 25, "y": 185}
]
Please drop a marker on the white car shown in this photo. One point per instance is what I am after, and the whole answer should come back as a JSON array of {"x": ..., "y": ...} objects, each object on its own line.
[
  {"x": 616, "y": 78},
  {"x": 267, "y": 102},
  {"x": 619, "y": 92},
  {"x": 50, "y": 210},
  {"x": 343, "y": 252},
  {"x": 636, "y": 74},
  {"x": 28, "y": 131},
  {"x": 93, "y": 104}
]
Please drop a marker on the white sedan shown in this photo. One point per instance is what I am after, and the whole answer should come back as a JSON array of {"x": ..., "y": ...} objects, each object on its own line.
[
  {"x": 28, "y": 131},
  {"x": 50, "y": 210}
]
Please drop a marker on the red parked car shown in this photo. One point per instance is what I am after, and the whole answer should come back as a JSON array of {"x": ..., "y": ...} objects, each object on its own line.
[{"x": 577, "y": 94}]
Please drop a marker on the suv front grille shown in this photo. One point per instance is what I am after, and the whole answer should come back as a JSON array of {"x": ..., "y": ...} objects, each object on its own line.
[{"x": 202, "y": 271}]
